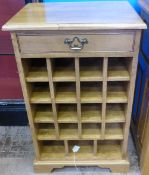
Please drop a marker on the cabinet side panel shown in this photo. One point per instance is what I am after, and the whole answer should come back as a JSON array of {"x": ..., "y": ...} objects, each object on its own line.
[
  {"x": 133, "y": 69},
  {"x": 25, "y": 92}
]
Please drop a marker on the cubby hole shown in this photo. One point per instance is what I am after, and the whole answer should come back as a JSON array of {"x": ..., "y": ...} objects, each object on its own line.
[
  {"x": 90, "y": 113},
  {"x": 65, "y": 92},
  {"x": 35, "y": 69},
  {"x": 63, "y": 69},
  {"x": 118, "y": 69},
  {"x": 115, "y": 113},
  {"x": 68, "y": 131},
  {"x": 114, "y": 131},
  {"x": 67, "y": 113},
  {"x": 52, "y": 149},
  {"x": 91, "y": 131},
  {"x": 91, "y": 92},
  {"x": 117, "y": 92},
  {"x": 39, "y": 92},
  {"x": 109, "y": 149},
  {"x": 91, "y": 69},
  {"x": 86, "y": 148},
  {"x": 45, "y": 131},
  {"x": 42, "y": 113}
]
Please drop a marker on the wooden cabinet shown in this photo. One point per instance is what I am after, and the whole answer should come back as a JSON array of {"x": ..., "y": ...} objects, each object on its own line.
[{"x": 77, "y": 75}]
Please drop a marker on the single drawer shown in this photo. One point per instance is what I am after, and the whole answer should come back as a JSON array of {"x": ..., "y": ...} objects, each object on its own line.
[{"x": 34, "y": 44}]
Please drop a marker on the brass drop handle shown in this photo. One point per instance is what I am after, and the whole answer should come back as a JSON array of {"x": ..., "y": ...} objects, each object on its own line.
[{"x": 76, "y": 43}]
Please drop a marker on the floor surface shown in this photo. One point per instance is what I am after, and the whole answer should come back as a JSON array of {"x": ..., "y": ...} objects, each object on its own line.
[{"x": 16, "y": 156}]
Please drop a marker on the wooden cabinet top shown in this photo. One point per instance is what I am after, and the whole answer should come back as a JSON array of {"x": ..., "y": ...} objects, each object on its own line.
[{"x": 75, "y": 16}]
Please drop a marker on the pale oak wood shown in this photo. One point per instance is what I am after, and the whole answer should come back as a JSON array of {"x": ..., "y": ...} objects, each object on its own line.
[
  {"x": 133, "y": 68},
  {"x": 66, "y": 147},
  {"x": 69, "y": 131},
  {"x": 40, "y": 96},
  {"x": 91, "y": 113},
  {"x": 115, "y": 113},
  {"x": 52, "y": 16},
  {"x": 96, "y": 43},
  {"x": 114, "y": 132},
  {"x": 91, "y": 92},
  {"x": 116, "y": 166},
  {"x": 91, "y": 69},
  {"x": 95, "y": 147},
  {"x": 118, "y": 70},
  {"x": 43, "y": 114},
  {"x": 52, "y": 93},
  {"x": 25, "y": 94},
  {"x": 82, "y": 105},
  {"x": 67, "y": 114},
  {"x": 104, "y": 95},
  {"x": 63, "y": 70},
  {"x": 78, "y": 93},
  {"x": 35, "y": 70},
  {"x": 91, "y": 131},
  {"x": 80, "y": 54}
]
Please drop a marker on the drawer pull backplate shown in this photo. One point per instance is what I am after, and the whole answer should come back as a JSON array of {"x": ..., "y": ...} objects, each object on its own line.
[{"x": 76, "y": 43}]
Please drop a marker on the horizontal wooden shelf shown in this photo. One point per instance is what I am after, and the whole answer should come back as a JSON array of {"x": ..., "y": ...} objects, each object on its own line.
[
  {"x": 40, "y": 95},
  {"x": 105, "y": 151},
  {"x": 37, "y": 75},
  {"x": 91, "y": 131},
  {"x": 88, "y": 73},
  {"x": 118, "y": 69},
  {"x": 117, "y": 97},
  {"x": 35, "y": 70},
  {"x": 51, "y": 149},
  {"x": 67, "y": 114},
  {"x": 91, "y": 97},
  {"x": 63, "y": 69},
  {"x": 115, "y": 113},
  {"x": 68, "y": 131},
  {"x": 109, "y": 151},
  {"x": 91, "y": 113},
  {"x": 86, "y": 149},
  {"x": 118, "y": 73},
  {"x": 52, "y": 152},
  {"x": 91, "y": 92},
  {"x": 65, "y": 97},
  {"x": 65, "y": 93},
  {"x": 63, "y": 74},
  {"x": 117, "y": 92},
  {"x": 43, "y": 114},
  {"x": 91, "y": 69},
  {"x": 114, "y": 132},
  {"x": 46, "y": 134}
]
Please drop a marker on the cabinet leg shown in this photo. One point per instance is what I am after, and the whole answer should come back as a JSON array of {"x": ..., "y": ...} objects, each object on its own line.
[
  {"x": 117, "y": 168},
  {"x": 45, "y": 168}
]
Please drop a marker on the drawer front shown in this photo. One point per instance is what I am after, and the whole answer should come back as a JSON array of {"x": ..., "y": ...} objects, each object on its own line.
[{"x": 34, "y": 44}]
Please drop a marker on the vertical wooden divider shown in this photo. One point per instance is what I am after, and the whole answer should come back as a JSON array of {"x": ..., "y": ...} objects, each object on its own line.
[
  {"x": 104, "y": 95},
  {"x": 52, "y": 92},
  {"x": 95, "y": 147},
  {"x": 25, "y": 94},
  {"x": 77, "y": 73},
  {"x": 66, "y": 147}
]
